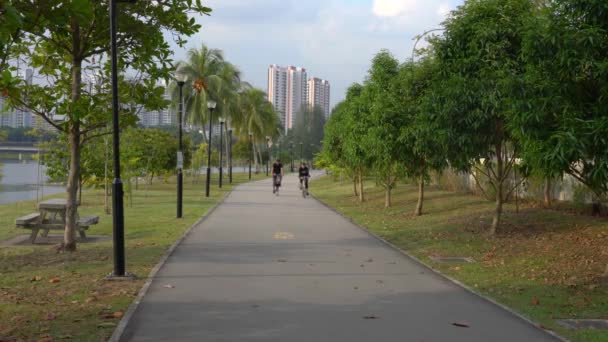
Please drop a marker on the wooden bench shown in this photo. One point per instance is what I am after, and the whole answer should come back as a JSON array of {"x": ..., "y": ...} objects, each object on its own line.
[
  {"x": 85, "y": 222},
  {"x": 36, "y": 223}
]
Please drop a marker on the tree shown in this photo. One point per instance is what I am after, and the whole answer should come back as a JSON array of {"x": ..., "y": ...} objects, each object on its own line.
[
  {"x": 210, "y": 77},
  {"x": 347, "y": 125},
  {"x": 66, "y": 40},
  {"x": 259, "y": 118},
  {"x": 308, "y": 130},
  {"x": 479, "y": 62},
  {"x": 381, "y": 142},
  {"x": 562, "y": 119},
  {"x": 422, "y": 148}
]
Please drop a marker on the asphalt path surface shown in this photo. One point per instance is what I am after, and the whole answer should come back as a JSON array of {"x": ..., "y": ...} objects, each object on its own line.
[{"x": 285, "y": 268}]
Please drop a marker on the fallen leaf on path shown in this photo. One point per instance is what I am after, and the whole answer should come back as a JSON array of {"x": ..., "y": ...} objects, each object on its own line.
[
  {"x": 54, "y": 280},
  {"x": 36, "y": 278},
  {"x": 118, "y": 314},
  {"x": 169, "y": 286},
  {"x": 369, "y": 260},
  {"x": 379, "y": 281},
  {"x": 371, "y": 317},
  {"x": 282, "y": 260},
  {"x": 461, "y": 324},
  {"x": 356, "y": 287},
  {"x": 544, "y": 327},
  {"x": 90, "y": 299}
]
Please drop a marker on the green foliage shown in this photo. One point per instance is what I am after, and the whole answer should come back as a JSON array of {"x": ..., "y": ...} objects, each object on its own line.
[
  {"x": 563, "y": 119},
  {"x": 308, "y": 130},
  {"x": 144, "y": 152}
]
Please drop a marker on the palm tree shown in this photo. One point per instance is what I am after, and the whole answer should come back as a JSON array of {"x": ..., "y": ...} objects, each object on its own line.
[
  {"x": 204, "y": 70},
  {"x": 259, "y": 118}
]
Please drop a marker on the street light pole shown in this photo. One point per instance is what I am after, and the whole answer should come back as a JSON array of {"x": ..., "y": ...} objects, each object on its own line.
[
  {"x": 291, "y": 153},
  {"x": 180, "y": 186},
  {"x": 211, "y": 107},
  {"x": 301, "y": 155},
  {"x": 221, "y": 149},
  {"x": 268, "y": 153},
  {"x": 250, "y": 152},
  {"x": 118, "y": 218},
  {"x": 230, "y": 155}
]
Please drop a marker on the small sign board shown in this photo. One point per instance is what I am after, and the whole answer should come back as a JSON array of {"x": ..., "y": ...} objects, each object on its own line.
[{"x": 180, "y": 160}]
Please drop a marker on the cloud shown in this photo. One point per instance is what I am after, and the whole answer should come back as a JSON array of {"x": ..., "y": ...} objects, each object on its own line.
[
  {"x": 393, "y": 8},
  {"x": 332, "y": 39}
]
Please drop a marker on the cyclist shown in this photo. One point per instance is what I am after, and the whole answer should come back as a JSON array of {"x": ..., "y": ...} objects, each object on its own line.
[
  {"x": 304, "y": 174},
  {"x": 277, "y": 175}
]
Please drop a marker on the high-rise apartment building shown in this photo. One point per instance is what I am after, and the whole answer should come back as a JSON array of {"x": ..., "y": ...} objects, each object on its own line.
[
  {"x": 16, "y": 118},
  {"x": 287, "y": 91},
  {"x": 318, "y": 94}
]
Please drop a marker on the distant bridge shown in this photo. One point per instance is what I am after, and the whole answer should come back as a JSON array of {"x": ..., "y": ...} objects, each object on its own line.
[{"x": 12, "y": 146}]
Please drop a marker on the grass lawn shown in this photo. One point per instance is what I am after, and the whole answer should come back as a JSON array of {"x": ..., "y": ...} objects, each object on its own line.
[
  {"x": 545, "y": 264},
  {"x": 45, "y": 296}
]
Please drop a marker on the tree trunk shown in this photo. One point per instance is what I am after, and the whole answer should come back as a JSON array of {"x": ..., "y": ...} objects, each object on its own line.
[
  {"x": 499, "y": 189},
  {"x": 355, "y": 183},
  {"x": 387, "y": 193},
  {"x": 69, "y": 236},
  {"x": 387, "y": 197},
  {"x": 548, "y": 193},
  {"x": 80, "y": 191},
  {"x": 361, "y": 195},
  {"x": 73, "y": 131},
  {"x": 418, "y": 211}
]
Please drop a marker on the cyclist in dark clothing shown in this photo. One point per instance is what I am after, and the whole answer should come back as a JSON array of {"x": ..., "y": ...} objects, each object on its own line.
[
  {"x": 304, "y": 174},
  {"x": 277, "y": 175}
]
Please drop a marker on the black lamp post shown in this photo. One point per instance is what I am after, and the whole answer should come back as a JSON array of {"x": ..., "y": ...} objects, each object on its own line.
[
  {"x": 268, "y": 153},
  {"x": 291, "y": 153},
  {"x": 221, "y": 149},
  {"x": 180, "y": 77},
  {"x": 118, "y": 215},
  {"x": 250, "y": 151},
  {"x": 230, "y": 155},
  {"x": 211, "y": 107},
  {"x": 301, "y": 155}
]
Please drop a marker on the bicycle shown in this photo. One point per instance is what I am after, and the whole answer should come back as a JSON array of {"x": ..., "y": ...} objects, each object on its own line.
[
  {"x": 303, "y": 187},
  {"x": 276, "y": 184}
]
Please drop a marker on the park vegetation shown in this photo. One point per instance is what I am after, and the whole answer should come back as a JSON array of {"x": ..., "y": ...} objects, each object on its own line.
[
  {"x": 509, "y": 86},
  {"x": 68, "y": 46}
]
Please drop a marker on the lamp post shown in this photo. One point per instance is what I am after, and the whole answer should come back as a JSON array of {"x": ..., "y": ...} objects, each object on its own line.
[
  {"x": 180, "y": 77},
  {"x": 291, "y": 155},
  {"x": 268, "y": 153},
  {"x": 118, "y": 215},
  {"x": 221, "y": 149},
  {"x": 301, "y": 155},
  {"x": 230, "y": 155},
  {"x": 211, "y": 107},
  {"x": 250, "y": 151}
]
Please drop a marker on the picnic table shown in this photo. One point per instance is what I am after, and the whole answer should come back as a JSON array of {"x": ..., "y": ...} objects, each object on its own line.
[{"x": 51, "y": 216}]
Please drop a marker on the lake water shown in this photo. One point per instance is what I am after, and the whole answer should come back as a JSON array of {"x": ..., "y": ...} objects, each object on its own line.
[{"x": 22, "y": 179}]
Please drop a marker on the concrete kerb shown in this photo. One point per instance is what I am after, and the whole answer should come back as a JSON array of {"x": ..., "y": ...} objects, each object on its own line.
[
  {"x": 453, "y": 281},
  {"x": 120, "y": 328}
]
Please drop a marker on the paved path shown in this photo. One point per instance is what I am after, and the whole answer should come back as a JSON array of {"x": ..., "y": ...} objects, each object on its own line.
[{"x": 267, "y": 268}]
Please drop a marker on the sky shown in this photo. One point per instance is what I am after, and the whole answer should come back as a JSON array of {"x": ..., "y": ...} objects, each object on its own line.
[{"x": 333, "y": 39}]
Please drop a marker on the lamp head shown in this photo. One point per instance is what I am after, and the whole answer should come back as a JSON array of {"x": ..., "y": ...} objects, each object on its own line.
[
  {"x": 211, "y": 104},
  {"x": 180, "y": 76}
]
